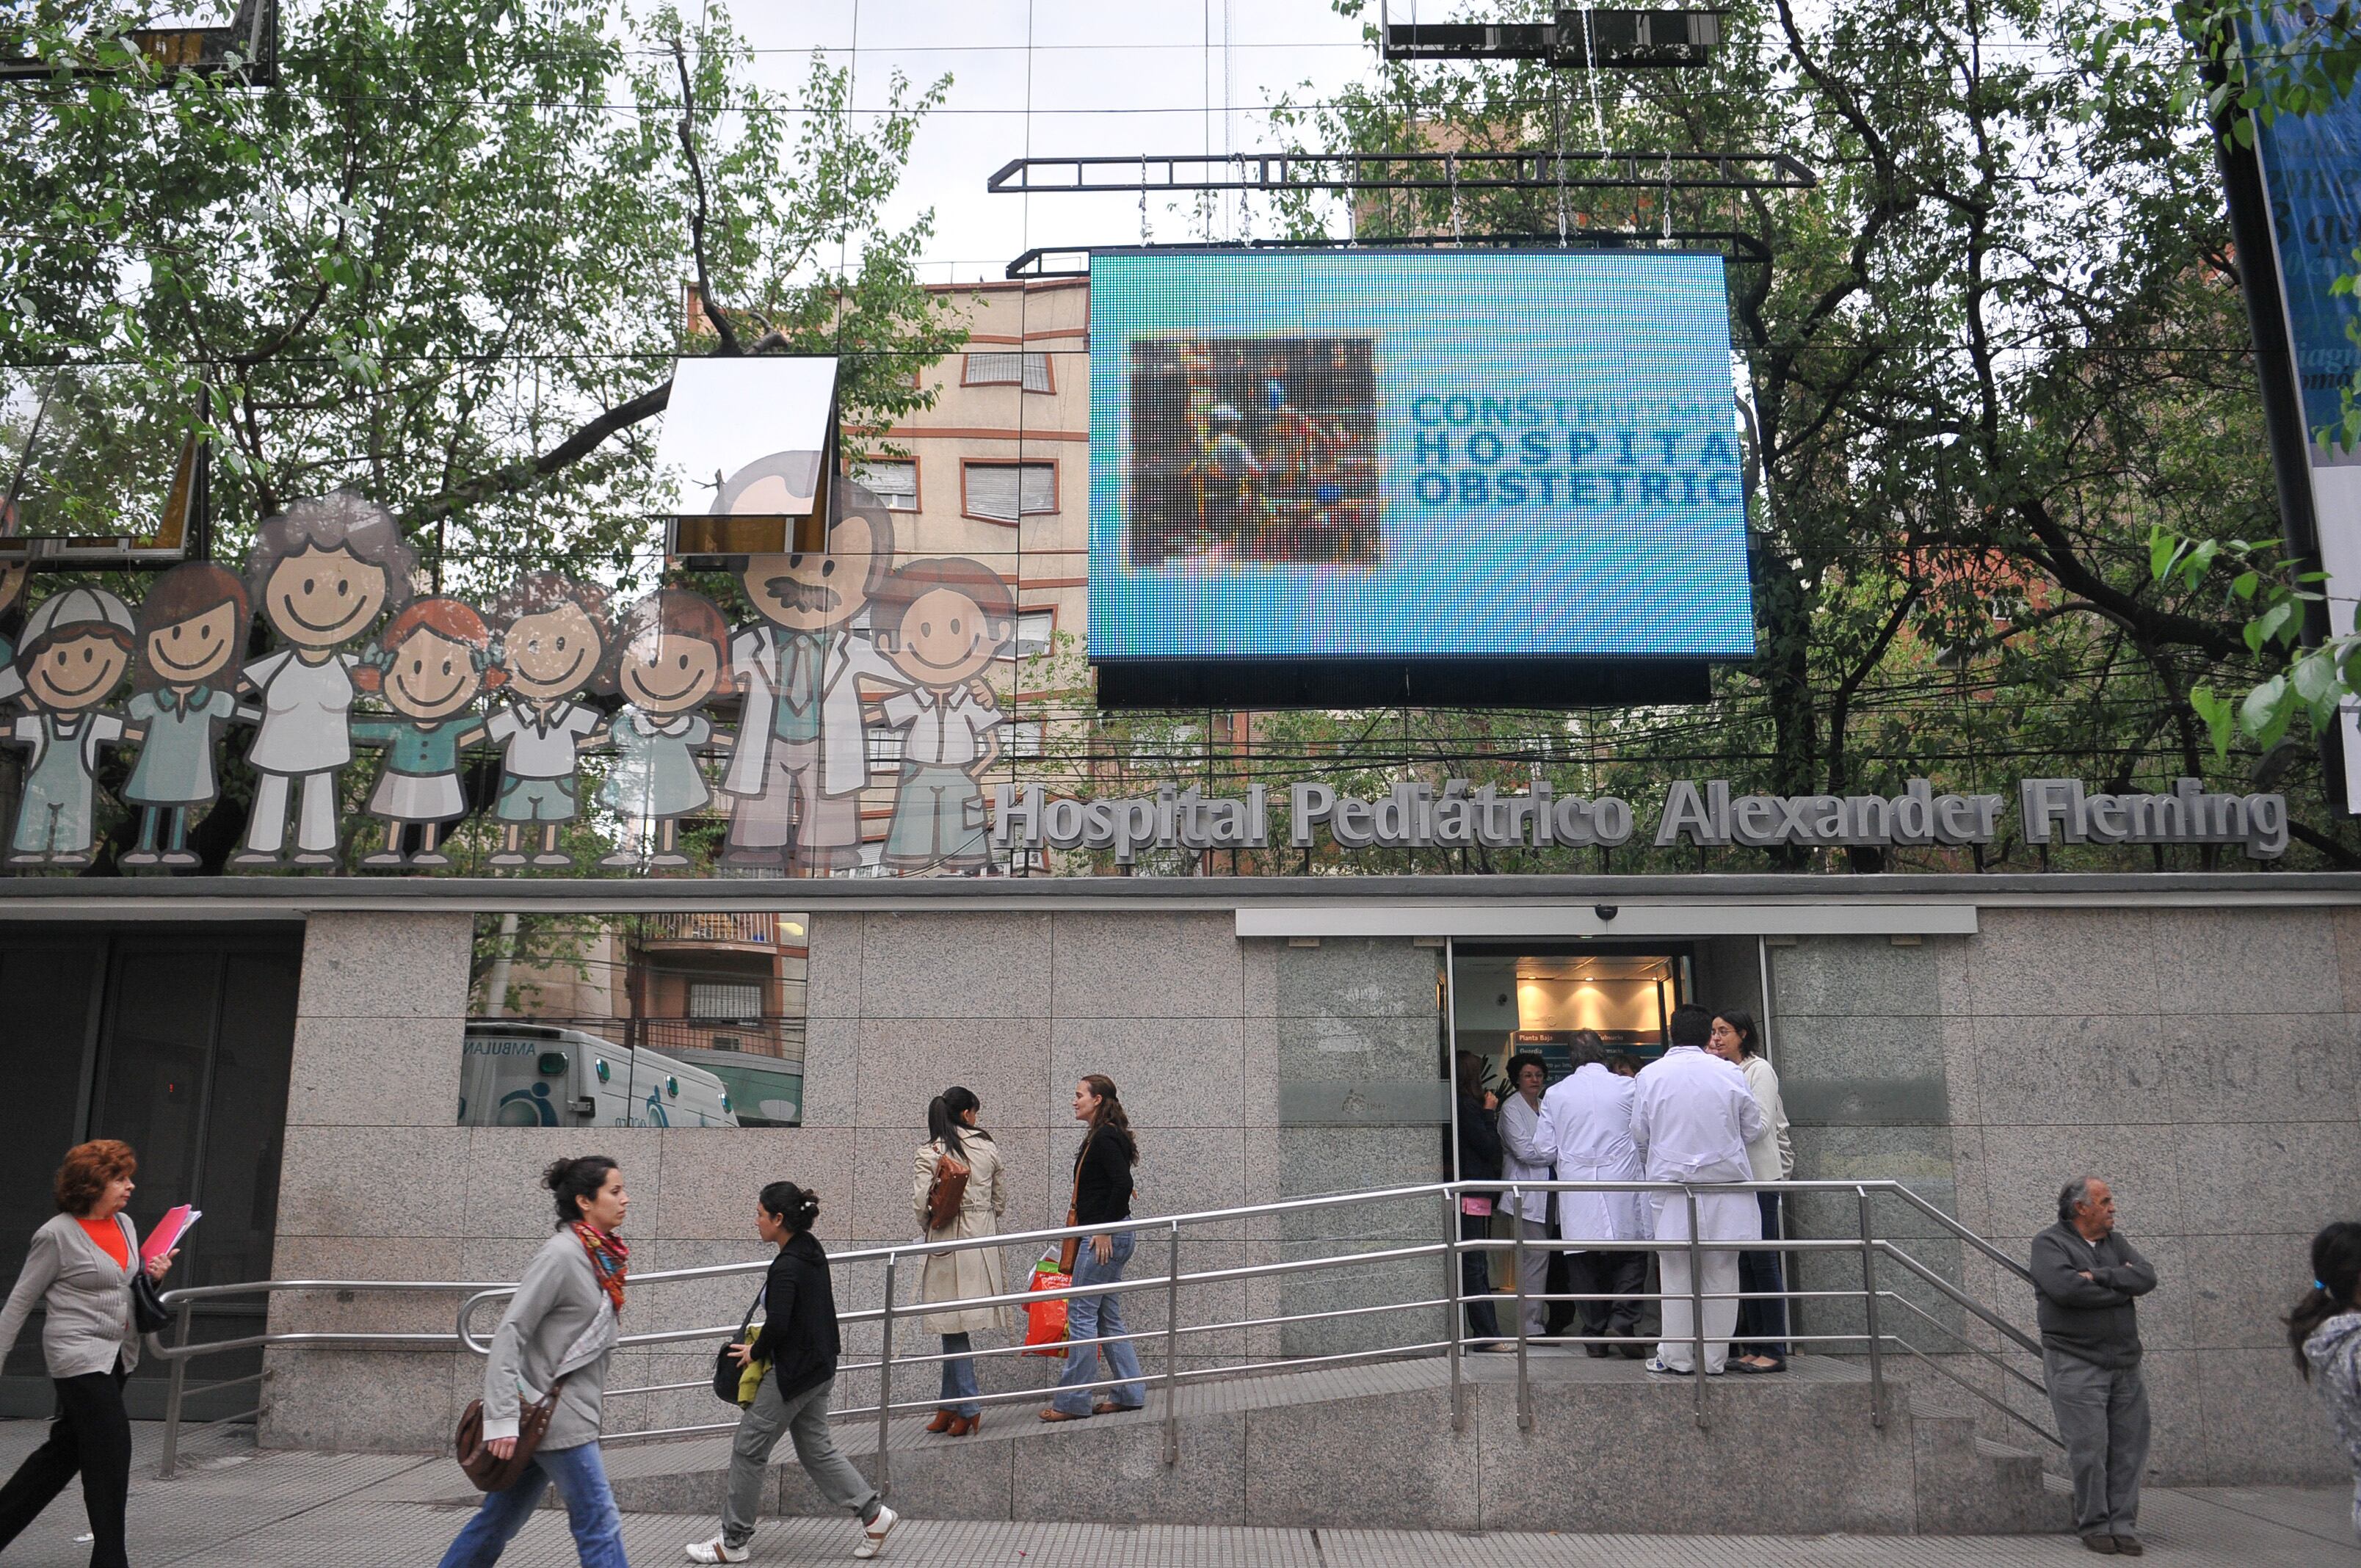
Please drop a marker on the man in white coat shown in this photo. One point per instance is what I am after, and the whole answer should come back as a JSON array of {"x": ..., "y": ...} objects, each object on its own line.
[
  {"x": 1692, "y": 1117},
  {"x": 1586, "y": 1126}
]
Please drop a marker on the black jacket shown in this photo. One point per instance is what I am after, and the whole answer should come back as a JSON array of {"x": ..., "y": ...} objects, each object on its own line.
[
  {"x": 2092, "y": 1320},
  {"x": 1479, "y": 1140},
  {"x": 1102, "y": 1177},
  {"x": 798, "y": 1335}
]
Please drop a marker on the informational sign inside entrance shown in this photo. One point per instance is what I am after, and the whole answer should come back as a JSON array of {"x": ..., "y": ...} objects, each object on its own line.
[{"x": 1393, "y": 454}]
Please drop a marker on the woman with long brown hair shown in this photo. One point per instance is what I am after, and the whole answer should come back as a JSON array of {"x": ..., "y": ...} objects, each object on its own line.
[{"x": 1102, "y": 1195}]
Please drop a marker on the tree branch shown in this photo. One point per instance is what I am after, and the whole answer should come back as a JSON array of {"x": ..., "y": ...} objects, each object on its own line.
[{"x": 696, "y": 214}]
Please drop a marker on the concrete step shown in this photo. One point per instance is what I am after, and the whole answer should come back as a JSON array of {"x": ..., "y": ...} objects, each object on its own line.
[{"x": 1610, "y": 1449}]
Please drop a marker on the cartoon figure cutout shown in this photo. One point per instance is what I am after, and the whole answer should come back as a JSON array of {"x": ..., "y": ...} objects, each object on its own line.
[
  {"x": 552, "y": 638},
  {"x": 15, "y": 572},
  {"x": 77, "y": 648},
  {"x": 429, "y": 667},
  {"x": 320, "y": 573},
  {"x": 671, "y": 650},
  {"x": 942, "y": 623},
  {"x": 190, "y": 635}
]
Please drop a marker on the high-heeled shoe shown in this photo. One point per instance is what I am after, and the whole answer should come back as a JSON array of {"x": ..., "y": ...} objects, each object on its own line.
[
  {"x": 962, "y": 1425},
  {"x": 944, "y": 1420}
]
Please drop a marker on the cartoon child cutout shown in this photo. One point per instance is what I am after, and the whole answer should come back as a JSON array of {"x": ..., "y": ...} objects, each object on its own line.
[
  {"x": 15, "y": 572},
  {"x": 190, "y": 635},
  {"x": 671, "y": 650},
  {"x": 77, "y": 648},
  {"x": 553, "y": 638},
  {"x": 942, "y": 623},
  {"x": 430, "y": 664},
  {"x": 319, "y": 572}
]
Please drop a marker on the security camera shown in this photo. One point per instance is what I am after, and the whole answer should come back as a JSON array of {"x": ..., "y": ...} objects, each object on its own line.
[{"x": 1605, "y": 911}]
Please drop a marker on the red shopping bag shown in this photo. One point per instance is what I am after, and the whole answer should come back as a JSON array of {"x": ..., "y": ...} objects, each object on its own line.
[{"x": 1045, "y": 1322}]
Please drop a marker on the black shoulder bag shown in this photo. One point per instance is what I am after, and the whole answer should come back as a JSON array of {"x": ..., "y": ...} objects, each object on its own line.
[{"x": 727, "y": 1373}]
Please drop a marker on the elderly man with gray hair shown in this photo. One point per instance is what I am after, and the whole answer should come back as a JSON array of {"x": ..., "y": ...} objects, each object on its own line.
[{"x": 2088, "y": 1276}]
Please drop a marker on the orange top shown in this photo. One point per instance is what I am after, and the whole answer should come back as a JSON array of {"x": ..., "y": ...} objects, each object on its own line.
[{"x": 108, "y": 1234}]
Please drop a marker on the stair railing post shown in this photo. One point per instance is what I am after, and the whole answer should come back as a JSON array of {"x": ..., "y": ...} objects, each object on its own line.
[
  {"x": 1525, "y": 1384},
  {"x": 177, "y": 1386},
  {"x": 885, "y": 1378},
  {"x": 1869, "y": 1300},
  {"x": 1172, "y": 1350},
  {"x": 1450, "y": 1301},
  {"x": 1697, "y": 1306}
]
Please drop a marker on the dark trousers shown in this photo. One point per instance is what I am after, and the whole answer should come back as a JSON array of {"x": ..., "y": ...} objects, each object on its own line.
[
  {"x": 1621, "y": 1275},
  {"x": 1476, "y": 1278},
  {"x": 1763, "y": 1325},
  {"x": 91, "y": 1435}
]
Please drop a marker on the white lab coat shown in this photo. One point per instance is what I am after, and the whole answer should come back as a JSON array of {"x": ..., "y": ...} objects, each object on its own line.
[
  {"x": 844, "y": 745},
  {"x": 1692, "y": 1117},
  {"x": 1524, "y": 1155},
  {"x": 1586, "y": 1123}
]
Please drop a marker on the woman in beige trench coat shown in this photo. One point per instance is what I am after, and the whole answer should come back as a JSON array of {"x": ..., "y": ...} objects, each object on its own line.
[{"x": 961, "y": 1275}]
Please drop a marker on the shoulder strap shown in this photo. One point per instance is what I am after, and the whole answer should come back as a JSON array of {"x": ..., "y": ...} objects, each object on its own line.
[
  {"x": 130, "y": 1239},
  {"x": 1074, "y": 1201}
]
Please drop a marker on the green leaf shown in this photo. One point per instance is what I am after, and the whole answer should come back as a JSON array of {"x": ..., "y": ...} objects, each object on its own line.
[{"x": 2220, "y": 717}]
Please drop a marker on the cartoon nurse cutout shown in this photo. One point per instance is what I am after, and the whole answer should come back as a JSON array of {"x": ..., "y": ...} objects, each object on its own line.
[
  {"x": 670, "y": 652},
  {"x": 192, "y": 632},
  {"x": 77, "y": 647},
  {"x": 319, "y": 572},
  {"x": 430, "y": 665}
]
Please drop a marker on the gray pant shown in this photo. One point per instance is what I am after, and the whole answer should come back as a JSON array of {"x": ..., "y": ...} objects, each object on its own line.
[
  {"x": 2103, "y": 1416},
  {"x": 1535, "y": 1275},
  {"x": 804, "y": 1419}
]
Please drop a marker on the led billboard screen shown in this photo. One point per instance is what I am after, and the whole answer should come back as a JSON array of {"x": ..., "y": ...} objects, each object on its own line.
[{"x": 1414, "y": 456}]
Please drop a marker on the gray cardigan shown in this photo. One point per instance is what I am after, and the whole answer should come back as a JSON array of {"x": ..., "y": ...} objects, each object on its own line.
[
  {"x": 2093, "y": 1319},
  {"x": 559, "y": 1322},
  {"x": 87, "y": 1296}
]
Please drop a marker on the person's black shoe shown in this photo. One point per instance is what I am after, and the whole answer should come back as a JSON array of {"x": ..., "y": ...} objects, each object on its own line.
[
  {"x": 1632, "y": 1348},
  {"x": 1599, "y": 1352},
  {"x": 2105, "y": 1543},
  {"x": 2129, "y": 1546}
]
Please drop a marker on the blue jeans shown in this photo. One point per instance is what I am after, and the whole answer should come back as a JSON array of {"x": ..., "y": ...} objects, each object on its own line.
[
  {"x": 1089, "y": 1317},
  {"x": 960, "y": 1389},
  {"x": 582, "y": 1479}
]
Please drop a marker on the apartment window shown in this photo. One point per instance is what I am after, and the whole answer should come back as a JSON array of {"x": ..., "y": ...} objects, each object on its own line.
[
  {"x": 726, "y": 1000},
  {"x": 895, "y": 480},
  {"x": 1035, "y": 631},
  {"x": 884, "y": 751},
  {"x": 1006, "y": 491},
  {"x": 1024, "y": 738},
  {"x": 1030, "y": 371}
]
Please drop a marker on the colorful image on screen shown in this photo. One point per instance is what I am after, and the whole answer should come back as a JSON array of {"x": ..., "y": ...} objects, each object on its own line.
[{"x": 1414, "y": 456}]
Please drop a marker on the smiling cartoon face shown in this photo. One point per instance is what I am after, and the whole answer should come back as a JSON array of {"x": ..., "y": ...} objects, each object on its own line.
[
  {"x": 946, "y": 638},
  {"x": 552, "y": 651},
  {"x": 667, "y": 674},
  {"x": 816, "y": 592},
  {"x": 77, "y": 672},
  {"x": 194, "y": 650},
  {"x": 432, "y": 676},
  {"x": 317, "y": 598}
]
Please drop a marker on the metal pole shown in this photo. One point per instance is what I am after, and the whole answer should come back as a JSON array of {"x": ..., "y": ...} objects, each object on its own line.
[
  {"x": 1450, "y": 1301},
  {"x": 886, "y": 1377},
  {"x": 1697, "y": 1307},
  {"x": 1869, "y": 1299},
  {"x": 1172, "y": 1350},
  {"x": 1525, "y": 1384},
  {"x": 173, "y": 1393}
]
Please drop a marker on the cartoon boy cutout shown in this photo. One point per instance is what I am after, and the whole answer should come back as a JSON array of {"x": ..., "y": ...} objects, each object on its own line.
[
  {"x": 671, "y": 648},
  {"x": 553, "y": 638},
  {"x": 77, "y": 648},
  {"x": 191, "y": 634},
  {"x": 16, "y": 571},
  {"x": 431, "y": 664},
  {"x": 320, "y": 573},
  {"x": 942, "y": 623}
]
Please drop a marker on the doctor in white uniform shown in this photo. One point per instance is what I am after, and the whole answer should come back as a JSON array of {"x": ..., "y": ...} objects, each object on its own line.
[
  {"x": 1692, "y": 1117},
  {"x": 1586, "y": 1127}
]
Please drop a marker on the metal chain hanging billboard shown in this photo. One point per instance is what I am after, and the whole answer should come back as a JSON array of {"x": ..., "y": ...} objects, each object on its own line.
[{"x": 1416, "y": 460}]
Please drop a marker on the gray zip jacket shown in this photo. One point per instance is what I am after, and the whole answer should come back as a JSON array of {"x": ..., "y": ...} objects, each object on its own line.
[
  {"x": 87, "y": 1296},
  {"x": 559, "y": 1323}
]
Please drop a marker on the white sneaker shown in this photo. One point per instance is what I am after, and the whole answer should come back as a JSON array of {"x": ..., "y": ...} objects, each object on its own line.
[
  {"x": 873, "y": 1535},
  {"x": 718, "y": 1549}
]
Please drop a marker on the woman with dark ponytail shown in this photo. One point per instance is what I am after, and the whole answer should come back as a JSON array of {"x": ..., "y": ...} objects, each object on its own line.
[
  {"x": 961, "y": 1275},
  {"x": 799, "y": 1338},
  {"x": 1102, "y": 1195},
  {"x": 2325, "y": 1330}
]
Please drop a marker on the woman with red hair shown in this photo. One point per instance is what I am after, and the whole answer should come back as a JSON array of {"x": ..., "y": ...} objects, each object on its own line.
[
  {"x": 432, "y": 662},
  {"x": 78, "y": 1271}
]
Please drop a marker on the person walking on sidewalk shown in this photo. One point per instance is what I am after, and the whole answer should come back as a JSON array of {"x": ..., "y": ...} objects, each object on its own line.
[
  {"x": 2087, "y": 1279},
  {"x": 78, "y": 1271},
  {"x": 1102, "y": 1195},
  {"x": 972, "y": 1271},
  {"x": 560, "y": 1328},
  {"x": 799, "y": 1340},
  {"x": 2325, "y": 1330}
]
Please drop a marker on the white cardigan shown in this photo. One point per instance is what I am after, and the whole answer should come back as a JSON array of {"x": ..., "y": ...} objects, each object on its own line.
[{"x": 1772, "y": 1156}]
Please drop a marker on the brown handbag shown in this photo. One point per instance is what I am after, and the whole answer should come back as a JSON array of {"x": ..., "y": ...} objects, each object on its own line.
[
  {"x": 488, "y": 1471},
  {"x": 946, "y": 1191},
  {"x": 1070, "y": 1248}
]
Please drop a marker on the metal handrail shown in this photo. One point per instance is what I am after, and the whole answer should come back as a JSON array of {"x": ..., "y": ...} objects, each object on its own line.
[{"x": 1867, "y": 1244}]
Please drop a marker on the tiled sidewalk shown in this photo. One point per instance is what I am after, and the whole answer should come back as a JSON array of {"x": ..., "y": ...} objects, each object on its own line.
[{"x": 231, "y": 1508}]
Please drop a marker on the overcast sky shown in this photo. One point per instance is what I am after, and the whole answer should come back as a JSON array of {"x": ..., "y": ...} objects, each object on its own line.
[{"x": 1060, "y": 77}]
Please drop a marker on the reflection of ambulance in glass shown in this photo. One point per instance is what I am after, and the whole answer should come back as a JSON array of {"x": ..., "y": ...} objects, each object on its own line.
[{"x": 531, "y": 1075}]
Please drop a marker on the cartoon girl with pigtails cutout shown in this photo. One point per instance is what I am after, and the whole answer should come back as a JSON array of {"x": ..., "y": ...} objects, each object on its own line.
[
  {"x": 191, "y": 636},
  {"x": 432, "y": 662},
  {"x": 671, "y": 650}
]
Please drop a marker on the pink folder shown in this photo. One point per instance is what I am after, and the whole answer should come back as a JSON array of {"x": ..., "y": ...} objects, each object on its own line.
[{"x": 168, "y": 1232}]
